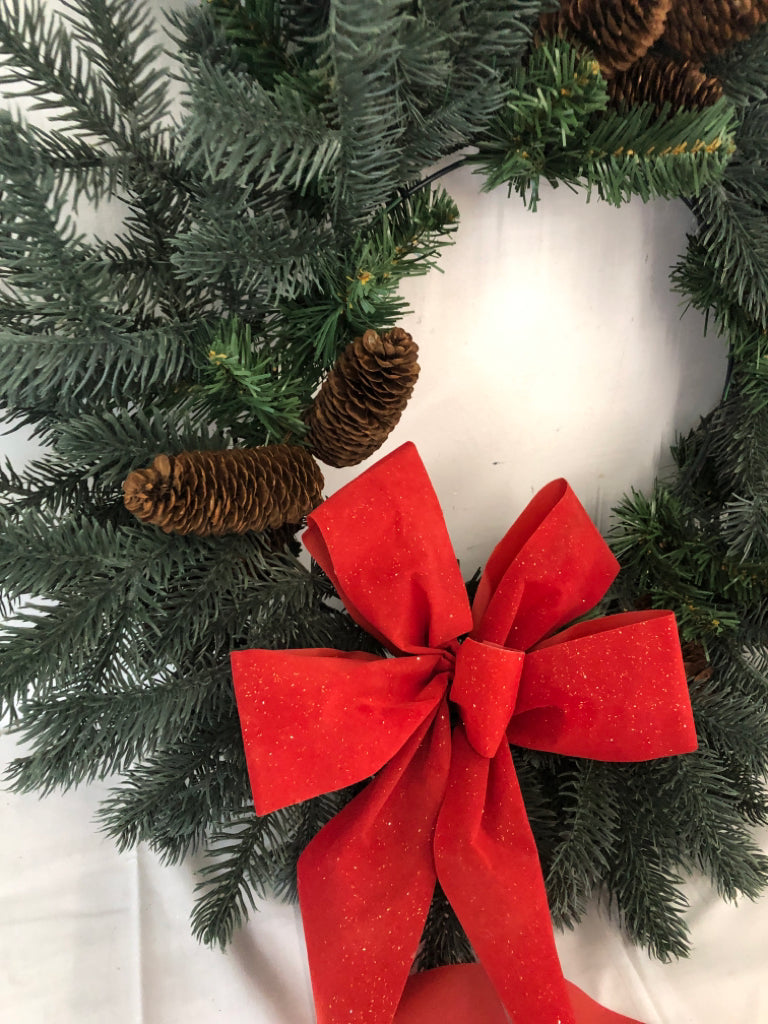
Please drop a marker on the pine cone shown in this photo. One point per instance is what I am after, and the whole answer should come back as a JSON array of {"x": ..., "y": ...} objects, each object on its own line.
[
  {"x": 363, "y": 397},
  {"x": 699, "y": 28},
  {"x": 661, "y": 80},
  {"x": 618, "y": 32},
  {"x": 213, "y": 493},
  {"x": 695, "y": 662},
  {"x": 554, "y": 25}
]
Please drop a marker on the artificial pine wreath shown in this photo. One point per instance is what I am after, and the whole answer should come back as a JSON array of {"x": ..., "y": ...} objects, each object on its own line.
[{"x": 266, "y": 234}]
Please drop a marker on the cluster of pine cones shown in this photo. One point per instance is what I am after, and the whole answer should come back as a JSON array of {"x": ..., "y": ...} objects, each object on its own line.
[
  {"x": 653, "y": 51},
  {"x": 209, "y": 494}
]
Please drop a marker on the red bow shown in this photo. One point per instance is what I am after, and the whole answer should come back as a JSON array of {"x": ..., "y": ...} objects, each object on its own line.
[{"x": 445, "y": 803}]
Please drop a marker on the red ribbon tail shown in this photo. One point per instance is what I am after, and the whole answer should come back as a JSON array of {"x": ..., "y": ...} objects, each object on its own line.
[
  {"x": 461, "y": 993},
  {"x": 366, "y": 881},
  {"x": 488, "y": 866},
  {"x": 451, "y": 995}
]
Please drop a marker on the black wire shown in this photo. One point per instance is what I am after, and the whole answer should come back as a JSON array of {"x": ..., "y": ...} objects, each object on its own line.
[
  {"x": 406, "y": 193},
  {"x": 433, "y": 177}
]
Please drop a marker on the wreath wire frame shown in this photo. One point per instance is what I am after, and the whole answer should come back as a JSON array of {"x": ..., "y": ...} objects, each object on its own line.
[{"x": 298, "y": 218}]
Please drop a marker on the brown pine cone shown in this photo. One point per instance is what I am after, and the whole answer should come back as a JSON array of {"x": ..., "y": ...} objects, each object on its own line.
[
  {"x": 618, "y": 32},
  {"x": 213, "y": 493},
  {"x": 554, "y": 25},
  {"x": 696, "y": 663},
  {"x": 661, "y": 80},
  {"x": 363, "y": 397},
  {"x": 699, "y": 28}
]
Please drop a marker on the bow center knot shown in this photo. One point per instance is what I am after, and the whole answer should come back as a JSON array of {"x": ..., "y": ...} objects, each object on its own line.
[
  {"x": 486, "y": 678},
  {"x": 448, "y": 655}
]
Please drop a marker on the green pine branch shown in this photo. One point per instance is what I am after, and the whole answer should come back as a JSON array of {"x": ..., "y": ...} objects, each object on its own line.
[
  {"x": 359, "y": 67},
  {"x": 52, "y": 485},
  {"x": 248, "y": 258},
  {"x": 240, "y": 861},
  {"x": 402, "y": 240},
  {"x": 644, "y": 884},
  {"x": 118, "y": 39},
  {"x": 674, "y": 560},
  {"x": 733, "y": 238},
  {"x": 248, "y": 386},
  {"x": 704, "y": 803},
  {"x": 78, "y": 734},
  {"x": 722, "y": 273},
  {"x": 39, "y": 56},
  {"x": 746, "y": 527},
  {"x": 743, "y": 69},
  {"x": 46, "y": 260},
  {"x": 57, "y": 375},
  {"x": 406, "y": 239},
  {"x": 555, "y": 126},
  {"x": 453, "y": 73},
  {"x": 94, "y": 67},
  {"x": 271, "y": 39},
  {"x": 134, "y": 597},
  {"x": 54, "y": 275},
  {"x": 82, "y": 169},
  {"x": 732, "y": 724},
  {"x": 444, "y": 941},
  {"x": 238, "y": 131},
  {"x": 108, "y": 445},
  {"x": 693, "y": 278},
  {"x": 738, "y": 433},
  {"x": 675, "y": 153},
  {"x": 747, "y": 672},
  {"x": 581, "y": 858},
  {"x": 175, "y": 797},
  {"x": 540, "y": 130}
]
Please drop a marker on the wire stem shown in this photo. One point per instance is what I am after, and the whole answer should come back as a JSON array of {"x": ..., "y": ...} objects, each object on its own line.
[{"x": 425, "y": 182}]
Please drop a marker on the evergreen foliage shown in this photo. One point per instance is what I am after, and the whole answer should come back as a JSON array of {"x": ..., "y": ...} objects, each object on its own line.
[
  {"x": 444, "y": 940},
  {"x": 263, "y": 231},
  {"x": 697, "y": 544},
  {"x": 555, "y": 126},
  {"x": 243, "y": 856}
]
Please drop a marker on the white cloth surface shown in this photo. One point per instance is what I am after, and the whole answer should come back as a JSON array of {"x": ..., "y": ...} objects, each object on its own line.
[
  {"x": 92, "y": 936},
  {"x": 550, "y": 346}
]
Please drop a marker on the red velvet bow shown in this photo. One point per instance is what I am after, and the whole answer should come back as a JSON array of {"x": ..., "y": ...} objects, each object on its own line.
[{"x": 445, "y": 803}]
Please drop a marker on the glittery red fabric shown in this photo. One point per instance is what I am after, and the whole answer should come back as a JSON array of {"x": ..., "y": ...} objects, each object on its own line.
[
  {"x": 463, "y": 994},
  {"x": 445, "y": 803}
]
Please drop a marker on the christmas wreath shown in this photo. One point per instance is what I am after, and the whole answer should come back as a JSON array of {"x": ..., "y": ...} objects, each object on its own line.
[{"x": 188, "y": 376}]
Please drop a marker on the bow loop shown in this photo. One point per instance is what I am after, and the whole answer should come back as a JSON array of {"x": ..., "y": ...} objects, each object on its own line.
[
  {"x": 314, "y": 721},
  {"x": 550, "y": 567},
  {"x": 384, "y": 533},
  {"x": 611, "y": 689}
]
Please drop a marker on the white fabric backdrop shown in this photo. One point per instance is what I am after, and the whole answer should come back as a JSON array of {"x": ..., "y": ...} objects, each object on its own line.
[{"x": 551, "y": 345}]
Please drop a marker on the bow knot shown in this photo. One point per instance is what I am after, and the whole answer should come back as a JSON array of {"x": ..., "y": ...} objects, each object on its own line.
[
  {"x": 485, "y": 685},
  {"x": 449, "y": 654}
]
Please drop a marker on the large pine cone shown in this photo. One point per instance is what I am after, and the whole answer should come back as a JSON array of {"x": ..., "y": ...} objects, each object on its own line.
[
  {"x": 661, "y": 80},
  {"x": 618, "y": 32},
  {"x": 213, "y": 493},
  {"x": 363, "y": 397},
  {"x": 698, "y": 28}
]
